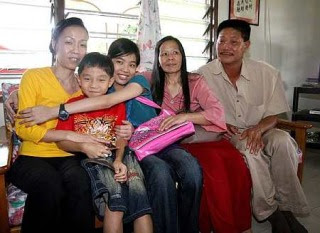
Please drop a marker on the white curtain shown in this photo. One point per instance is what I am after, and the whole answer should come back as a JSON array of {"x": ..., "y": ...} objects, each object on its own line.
[{"x": 148, "y": 32}]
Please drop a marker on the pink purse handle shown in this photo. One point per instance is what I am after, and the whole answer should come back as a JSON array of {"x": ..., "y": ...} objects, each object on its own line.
[{"x": 148, "y": 102}]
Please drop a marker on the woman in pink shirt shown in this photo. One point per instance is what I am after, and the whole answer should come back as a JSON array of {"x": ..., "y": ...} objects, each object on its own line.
[{"x": 226, "y": 196}]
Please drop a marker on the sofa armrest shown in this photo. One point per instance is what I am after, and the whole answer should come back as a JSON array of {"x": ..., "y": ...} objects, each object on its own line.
[
  {"x": 293, "y": 125},
  {"x": 300, "y": 135}
]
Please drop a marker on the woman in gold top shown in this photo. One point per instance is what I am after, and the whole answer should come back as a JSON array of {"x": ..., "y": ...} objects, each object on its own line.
[{"x": 58, "y": 188}]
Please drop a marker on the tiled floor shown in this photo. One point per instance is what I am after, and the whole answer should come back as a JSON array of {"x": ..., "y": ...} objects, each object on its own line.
[{"x": 311, "y": 186}]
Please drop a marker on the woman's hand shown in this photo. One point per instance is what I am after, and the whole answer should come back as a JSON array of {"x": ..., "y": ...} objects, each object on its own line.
[
  {"x": 121, "y": 171},
  {"x": 173, "y": 120},
  {"x": 231, "y": 130},
  {"x": 11, "y": 105},
  {"x": 95, "y": 150},
  {"x": 36, "y": 115},
  {"x": 254, "y": 139},
  {"x": 125, "y": 130}
]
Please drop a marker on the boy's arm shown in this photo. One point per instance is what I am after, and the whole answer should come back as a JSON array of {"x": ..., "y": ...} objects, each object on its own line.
[
  {"x": 120, "y": 144},
  {"x": 119, "y": 167}
]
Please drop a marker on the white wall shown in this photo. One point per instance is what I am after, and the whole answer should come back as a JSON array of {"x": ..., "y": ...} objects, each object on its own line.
[{"x": 288, "y": 37}]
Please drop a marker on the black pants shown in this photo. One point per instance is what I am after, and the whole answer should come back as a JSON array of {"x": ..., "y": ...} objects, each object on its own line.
[{"x": 59, "y": 197}]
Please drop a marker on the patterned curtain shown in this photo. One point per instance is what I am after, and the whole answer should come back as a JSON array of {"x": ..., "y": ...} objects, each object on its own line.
[{"x": 148, "y": 32}]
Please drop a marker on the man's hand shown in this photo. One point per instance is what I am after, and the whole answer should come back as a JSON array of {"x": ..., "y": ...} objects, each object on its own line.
[
  {"x": 121, "y": 171},
  {"x": 173, "y": 120},
  {"x": 35, "y": 115},
  {"x": 95, "y": 150},
  {"x": 254, "y": 139},
  {"x": 11, "y": 105},
  {"x": 125, "y": 130}
]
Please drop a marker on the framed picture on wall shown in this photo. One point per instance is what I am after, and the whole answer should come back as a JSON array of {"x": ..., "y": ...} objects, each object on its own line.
[{"x": 247, "y": 10}]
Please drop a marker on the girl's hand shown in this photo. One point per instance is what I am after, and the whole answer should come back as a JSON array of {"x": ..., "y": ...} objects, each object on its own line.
[
  {"x": 95, "y": 150},
  {"x": 11, "y": 105},
  {"x": 173, "y": 120},
  {"x": 125, "y": 130},
  {"x": 121, "y": 171},
  {"x": 35, "y": 115}
]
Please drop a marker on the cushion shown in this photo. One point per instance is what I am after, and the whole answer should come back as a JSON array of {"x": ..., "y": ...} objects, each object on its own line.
[
  {"x": 7, "y": 88},
  {"x": 202, "y": 135},
  {"x": 16, "y": 197}
]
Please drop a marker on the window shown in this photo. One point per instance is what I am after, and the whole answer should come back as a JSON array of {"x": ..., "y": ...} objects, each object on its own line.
[
  {"x": 25, "y": 27},
  {"x": 107, "y": 21},
  {"x": 24, "y": 40}
]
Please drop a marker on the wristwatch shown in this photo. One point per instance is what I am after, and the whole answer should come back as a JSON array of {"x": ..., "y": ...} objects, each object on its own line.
[{"x": 63, "y": 114}]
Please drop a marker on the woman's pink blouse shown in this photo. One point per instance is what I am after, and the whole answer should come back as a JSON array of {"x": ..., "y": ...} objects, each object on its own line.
[{"x": 202, "y": 100}]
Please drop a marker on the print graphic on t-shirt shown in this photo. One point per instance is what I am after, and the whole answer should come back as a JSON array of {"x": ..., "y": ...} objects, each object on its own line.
[{"x": 100, "y": 127}]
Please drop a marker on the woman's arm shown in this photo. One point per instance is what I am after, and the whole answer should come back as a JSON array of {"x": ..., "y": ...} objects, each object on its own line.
[
  {"x": 196, "y": 118},
  {"x": 29, "y": 92},
  {"x": 91, "y": 149},
  {"x": 39, "y": 114},
  {"x": 211, "y": 107},
  {"x": 67, "y": 135}
]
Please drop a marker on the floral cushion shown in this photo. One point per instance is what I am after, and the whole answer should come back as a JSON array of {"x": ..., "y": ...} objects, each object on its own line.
[{"x": 16, "y": 197}]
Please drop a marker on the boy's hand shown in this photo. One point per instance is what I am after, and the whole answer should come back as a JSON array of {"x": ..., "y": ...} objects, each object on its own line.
[
  {"x": 121, "y": 171},
  {"x": 125, "y": 130},
  {"x": 95, "y": 150},
  {"x": 36, "y": 115}
]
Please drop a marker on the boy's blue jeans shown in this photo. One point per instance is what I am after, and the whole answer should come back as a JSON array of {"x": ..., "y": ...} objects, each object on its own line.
[
  {"x": 130, "y": 197},
  {"x": 174, "y": 210}
]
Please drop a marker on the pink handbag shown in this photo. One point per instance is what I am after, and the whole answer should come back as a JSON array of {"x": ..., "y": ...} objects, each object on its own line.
[{"x": 147, "y": 140}]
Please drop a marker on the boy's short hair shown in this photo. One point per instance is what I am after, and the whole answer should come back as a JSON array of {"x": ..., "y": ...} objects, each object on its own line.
[
  {"x": 96, "y": 59},
  {"x": 237, "y": 24}
]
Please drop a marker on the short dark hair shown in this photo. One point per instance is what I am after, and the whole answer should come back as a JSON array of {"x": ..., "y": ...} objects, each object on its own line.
[
  {"x": 124, "y": 46},
  {"x": 58, "y": 29},
  {"x": 237, "y": 24},
  {"x": 96, "y": 59}
]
